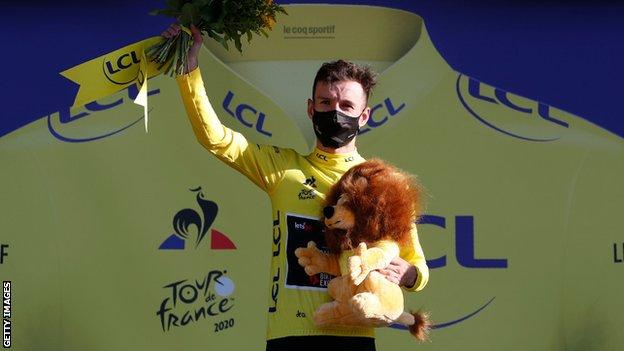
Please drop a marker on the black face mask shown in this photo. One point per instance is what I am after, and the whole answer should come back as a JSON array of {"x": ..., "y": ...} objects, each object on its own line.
[{"x": 334, "y": 129}]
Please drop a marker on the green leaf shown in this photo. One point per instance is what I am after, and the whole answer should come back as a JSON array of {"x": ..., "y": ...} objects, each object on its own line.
[
  {"x": 208, "y": 16},
  {"x": 211, "y": 33},
  {"x": 175, "y": 4},
  {"x": 223, "y": 20},
  {"x": 220, "y": 40},
  {"x": 190, "y": 14},
  {"x": 223, "y": 42},
  {"x": 218, "y": 27},
  {"x": 165, "y": 12},
  {"x": 201, "y": 3},
  {"x": 238, "y": 44}
]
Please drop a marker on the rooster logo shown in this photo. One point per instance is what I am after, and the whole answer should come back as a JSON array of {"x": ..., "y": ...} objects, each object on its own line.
[{"x": 186, "y": 219}]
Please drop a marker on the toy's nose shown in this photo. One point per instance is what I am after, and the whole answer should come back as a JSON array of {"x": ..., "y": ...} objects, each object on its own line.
[{"x": 328, "y": 212}]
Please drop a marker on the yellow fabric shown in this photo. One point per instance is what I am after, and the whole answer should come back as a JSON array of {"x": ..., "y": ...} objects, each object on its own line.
[
  {"x": 112, "y": 72},
  {"x": 416, "y": 257},
  {"x": 283, "y": 174}
]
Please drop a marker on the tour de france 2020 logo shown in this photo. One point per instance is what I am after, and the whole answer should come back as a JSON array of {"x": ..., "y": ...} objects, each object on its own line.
[
  {"x": 191, "y": 300},
  {"x": 188, "y": 218},
  {"x": 465, "y": 256},
  {"x": 510, "y": 114}
]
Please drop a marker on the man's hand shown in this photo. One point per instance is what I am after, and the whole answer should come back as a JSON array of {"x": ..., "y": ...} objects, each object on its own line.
[
  {"x": 174, "y": 30},
  {"x": 400, "y": 272}
]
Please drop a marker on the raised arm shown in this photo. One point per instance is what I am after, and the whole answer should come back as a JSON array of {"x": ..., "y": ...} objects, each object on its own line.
[{"x": 262, "y": 164}]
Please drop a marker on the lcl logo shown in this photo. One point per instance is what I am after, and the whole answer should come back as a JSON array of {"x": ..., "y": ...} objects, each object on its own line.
[
  {"x": 245, "y": 113},
  {"x": 60, "y": 124},
  {"x": 116, "y": 69},
  {"x": 381, "y": 113},
  {"x": 464, "y": 244},
  {"x": 508, "y": 114}
]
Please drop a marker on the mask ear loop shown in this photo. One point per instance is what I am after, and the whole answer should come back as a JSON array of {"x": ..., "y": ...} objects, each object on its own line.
[{"x": 360, "y": 115}]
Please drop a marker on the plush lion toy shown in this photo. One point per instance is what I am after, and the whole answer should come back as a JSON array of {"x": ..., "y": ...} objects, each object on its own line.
[{"x": 369, "y": 213}]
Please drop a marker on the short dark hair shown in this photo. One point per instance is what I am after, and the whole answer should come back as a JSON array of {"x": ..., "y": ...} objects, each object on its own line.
[{"x": 340, "y": 70}]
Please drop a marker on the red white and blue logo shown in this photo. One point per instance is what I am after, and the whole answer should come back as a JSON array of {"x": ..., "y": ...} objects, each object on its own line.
[{"x": 192, "y": 226}]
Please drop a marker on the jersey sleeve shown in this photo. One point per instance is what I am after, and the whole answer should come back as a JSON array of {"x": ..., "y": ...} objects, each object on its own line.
[
  {"x": 264, "y": 165},
  {"x": 413, "y": 253}
]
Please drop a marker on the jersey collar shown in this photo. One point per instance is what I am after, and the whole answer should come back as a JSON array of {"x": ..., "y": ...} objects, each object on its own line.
[
  {"x": 379, "y": 34},
  {"x": 340, "y": 161}
]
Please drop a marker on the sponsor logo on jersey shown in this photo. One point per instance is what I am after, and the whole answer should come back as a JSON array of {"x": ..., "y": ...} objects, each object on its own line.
[
  {"x": 321, "y": 156},
  {"x": 304, "y": 226},
  {"x": 310, "y": 181},
  {"x": 300, "y": 314},
  {"x": 302, "y": 230},
  {"x": 276, "y": 251},
  {"x": 509, "y": 114},
  {"x": 305, "y": 193},
  {"x": 191, "y": 225}
]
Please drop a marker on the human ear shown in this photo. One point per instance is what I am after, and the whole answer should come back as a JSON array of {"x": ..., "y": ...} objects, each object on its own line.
[
  {"x": 364, "y": 117},
  {"x": 310, "y": 108}
]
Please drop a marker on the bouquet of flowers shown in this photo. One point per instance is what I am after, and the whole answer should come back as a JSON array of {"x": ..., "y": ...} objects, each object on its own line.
[{"x": 222, "y": 20}]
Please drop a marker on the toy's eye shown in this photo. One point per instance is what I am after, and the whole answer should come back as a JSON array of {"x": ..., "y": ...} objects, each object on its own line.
[{"x": 342, "y": 199}]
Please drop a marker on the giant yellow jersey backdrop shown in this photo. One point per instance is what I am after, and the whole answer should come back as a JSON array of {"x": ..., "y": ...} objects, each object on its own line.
[{"x": 120, "y": 239}]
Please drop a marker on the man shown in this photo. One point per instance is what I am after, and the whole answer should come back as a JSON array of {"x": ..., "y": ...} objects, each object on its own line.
[{"x": 296, "y": 185}]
